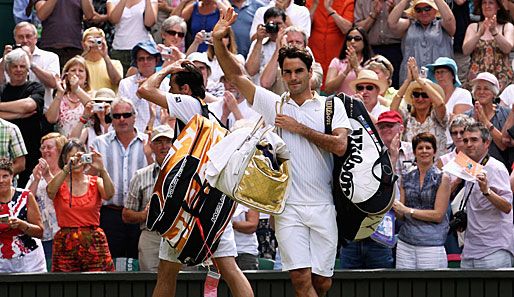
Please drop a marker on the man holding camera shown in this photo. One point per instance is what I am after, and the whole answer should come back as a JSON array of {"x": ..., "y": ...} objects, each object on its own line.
[
  {"x": 43, "y": 65},
  {"x": 145, "y": 57},
  {"x": 103, "y": 72},
  {"x": 489, "y": 238},
  {"x": 264, "y": 46}
]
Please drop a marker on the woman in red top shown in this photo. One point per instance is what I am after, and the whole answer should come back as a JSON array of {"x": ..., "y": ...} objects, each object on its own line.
[{"x": 81, "y": 244}]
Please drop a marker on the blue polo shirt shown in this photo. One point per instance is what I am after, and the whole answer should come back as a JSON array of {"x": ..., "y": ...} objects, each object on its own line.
[{"x": 243, "y": 24}]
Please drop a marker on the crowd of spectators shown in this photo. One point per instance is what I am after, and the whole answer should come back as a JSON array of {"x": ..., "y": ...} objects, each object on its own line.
[{"x": 67, "y": 91}]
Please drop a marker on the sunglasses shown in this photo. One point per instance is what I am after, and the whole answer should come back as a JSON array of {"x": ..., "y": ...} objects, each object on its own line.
[
  {"x": 356, "y": 38},
  {"x": 125, "y": 115},
  {"x": 417, "y": 94},
  {"x": 175, "y": 33},
  {"x": 455, "y": 133},
  {"x": 421, "y": 9},
  {"x": 368, "y": 87}
]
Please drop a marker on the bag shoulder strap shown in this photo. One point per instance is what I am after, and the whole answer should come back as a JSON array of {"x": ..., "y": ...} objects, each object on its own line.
[{"x": 329, "y": 114}]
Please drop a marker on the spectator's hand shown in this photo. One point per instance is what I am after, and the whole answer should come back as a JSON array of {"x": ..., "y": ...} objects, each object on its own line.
[
  {"x": 96, "y": 18},
  {"x": 352, "y": 57},
  {"x": 413, "y": 66},
  {"x": 281, "y": 39},
  {"x": 199, "y": 37},
  {"x": 60, "y": 85},
  {"x": 16, "y": 223},
  {"x": 7, "y": 49},
  {"x": 166, "y": 119},
  {"x": 482, "y": 181},
  {"x": 152, "y": 108},
  {"x": 485, "y": 26},
  {"x": 97, "y": 163},
  {"x": 390, "y": 5},
  {"x": 261, "y": 32},
  {"x": 399, "y": 208},
  {"x": 492, "y": 25},
  {"x": 230, "y": 101},
  {"x": 281, "y": 4},
  {"x": 147, "y": 149},
  {"x": 107, "y": 110},
  {"x": 286, "y": 122},
  {"x": 394, "y": 149},
  {"x": 480, "y": 115},
  {"x": 104, "y": 50},
  {"x": 328, "y": 4},
  {"x": 377, "y": 8},
  {"x": 27, "y": 50},
  {"x": 74, "y": 82},
  {"x": 141, "y": 80},
  {"x": 37, "y": 172},
  {"x": 88, "y": 110},
  {"x": 163, "y": 6}
]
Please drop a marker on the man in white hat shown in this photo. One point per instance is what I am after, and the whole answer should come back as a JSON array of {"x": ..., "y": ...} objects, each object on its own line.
[
  {"x": 368, "y": 87},
  {"x": 139, "y": 194}
]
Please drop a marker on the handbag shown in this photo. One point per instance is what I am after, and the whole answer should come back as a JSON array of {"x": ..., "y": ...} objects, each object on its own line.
[{"x": 252, "y": 167}]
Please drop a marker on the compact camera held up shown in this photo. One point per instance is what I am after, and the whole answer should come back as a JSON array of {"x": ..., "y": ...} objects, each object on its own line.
[{"x": 86, "y": 158}]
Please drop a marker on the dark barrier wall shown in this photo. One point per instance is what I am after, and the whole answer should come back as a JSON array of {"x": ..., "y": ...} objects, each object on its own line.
[
  {"x": 369, "y": 283},
  {"x": 7, "y": 24}
]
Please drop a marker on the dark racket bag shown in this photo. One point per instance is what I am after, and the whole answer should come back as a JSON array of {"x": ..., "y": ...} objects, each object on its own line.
[{"x": 363, "y": 179}]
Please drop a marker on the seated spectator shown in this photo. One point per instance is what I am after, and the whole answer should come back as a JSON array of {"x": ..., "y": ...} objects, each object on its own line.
[
  {"x": 202, "y": 15},
  {"x": 271, "y": 76},
  {"x": 71, "y": 97},
  {"x": 95, "y": 121},
  {"x": 330, "y": 24},
  {"x": 104, "y": 72},
  {"x": 216, "y": 71},
  {"x": 372, "y": 17},
  {"x": 489, "y": 42},
  {"x": 131, "y": 19},
  {"x": 62, "y": 26},
  {"x": 489, "y": 238},
  {"x": 244, "y": 222},
  {"x": 458, "y": 100},
  {"x": 42, "y": 174},
  {"x": 80, "y": 245},
  {"x": 12, "y": 147},
  {"x": 429, "y": 23},
  {"x": 140, "y": 191},
  {"x": 233, "y": 107},
  {"x": 145, "y": 57},
  {"x": 265, "y": 44},
  {"x": 294, "y": 15},
  {"x": 44, "y": 65},
  {"x": 21, "y": 229},
  {"x": 343, "y": 69},
  {"x": 384, "y": 69},
  {"x": 213, "y": 90},
  {"x": 428, "y": 112},
  {"x": 485, "y": 89},
  {"x": 367, "y": 87},
  {"x": 424, "y": 198},
  {"x": 21, "y": 103}
]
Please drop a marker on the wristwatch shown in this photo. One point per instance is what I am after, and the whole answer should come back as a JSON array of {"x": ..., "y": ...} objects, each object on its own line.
[
  {"x": 411, "y": 211},
  {"x": 488, "y": 192}
]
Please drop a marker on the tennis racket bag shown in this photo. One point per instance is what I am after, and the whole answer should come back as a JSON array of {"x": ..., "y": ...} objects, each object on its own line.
[
  {"x": 188, "y": 213},
  {"x": 363, "y": 178}
]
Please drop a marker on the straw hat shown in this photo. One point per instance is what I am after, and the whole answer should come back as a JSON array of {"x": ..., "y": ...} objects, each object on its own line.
[
  {"x": 104, "y": 94},
  {"x": 368, "y": 77},
  {"x": 411, "y": 13},
  {"x": 415, "y": 85}
]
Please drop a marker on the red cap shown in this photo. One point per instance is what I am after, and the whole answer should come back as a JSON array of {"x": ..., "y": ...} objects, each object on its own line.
[{"x": 389, "y": 117}]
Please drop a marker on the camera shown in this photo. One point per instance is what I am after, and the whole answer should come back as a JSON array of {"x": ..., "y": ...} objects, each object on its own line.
[
  {"x": 167, "y": 51},
  {"x": 459, "y": 220},
  {"x": 98, "y": 107},
  {"x": 271, "y": 27},
  {"x": 86, "y": 158},
  {"x": 97, "y": 41},
  {"x": 207, "y": 36},
  {"x": 423, "y": 72},
  {"x": 16, "y": 45}
]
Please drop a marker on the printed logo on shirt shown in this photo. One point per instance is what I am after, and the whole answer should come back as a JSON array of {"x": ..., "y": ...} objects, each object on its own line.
[{"x": 178, "y": 99}]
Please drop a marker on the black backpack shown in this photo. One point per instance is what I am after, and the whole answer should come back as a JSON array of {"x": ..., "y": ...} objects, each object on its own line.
[{"x": 363, "y": 178}]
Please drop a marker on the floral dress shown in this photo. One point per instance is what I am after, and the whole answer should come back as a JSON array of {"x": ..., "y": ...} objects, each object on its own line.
[
  {"x": 68, "y": 117},
  {"x": 487, "y": 57}
]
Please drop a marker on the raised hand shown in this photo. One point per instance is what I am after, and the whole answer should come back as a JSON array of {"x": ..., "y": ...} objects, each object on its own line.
[
  {"x": 223, "y": 25},
  {"x": 97, "y": 163}
]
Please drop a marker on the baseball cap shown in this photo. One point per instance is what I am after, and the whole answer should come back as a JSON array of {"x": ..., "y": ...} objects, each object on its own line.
[
  {"x": 390, "y": 116},
  {"x": 162, "y": 130}
]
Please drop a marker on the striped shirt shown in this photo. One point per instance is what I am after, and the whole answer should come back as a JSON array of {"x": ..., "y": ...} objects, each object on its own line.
[
  {"x": 141, "y": 189},
  {"x": 120, "y": 163},
  {"x": 311, "y": 166},
  {"x": 11, "y": 140}
]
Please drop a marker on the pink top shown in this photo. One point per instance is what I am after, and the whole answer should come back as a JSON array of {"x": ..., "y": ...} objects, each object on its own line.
[
  {"x": 341, "y": 66},
  {"x": 85, "y": 209},
  {"x": 68, "y": 117}
]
